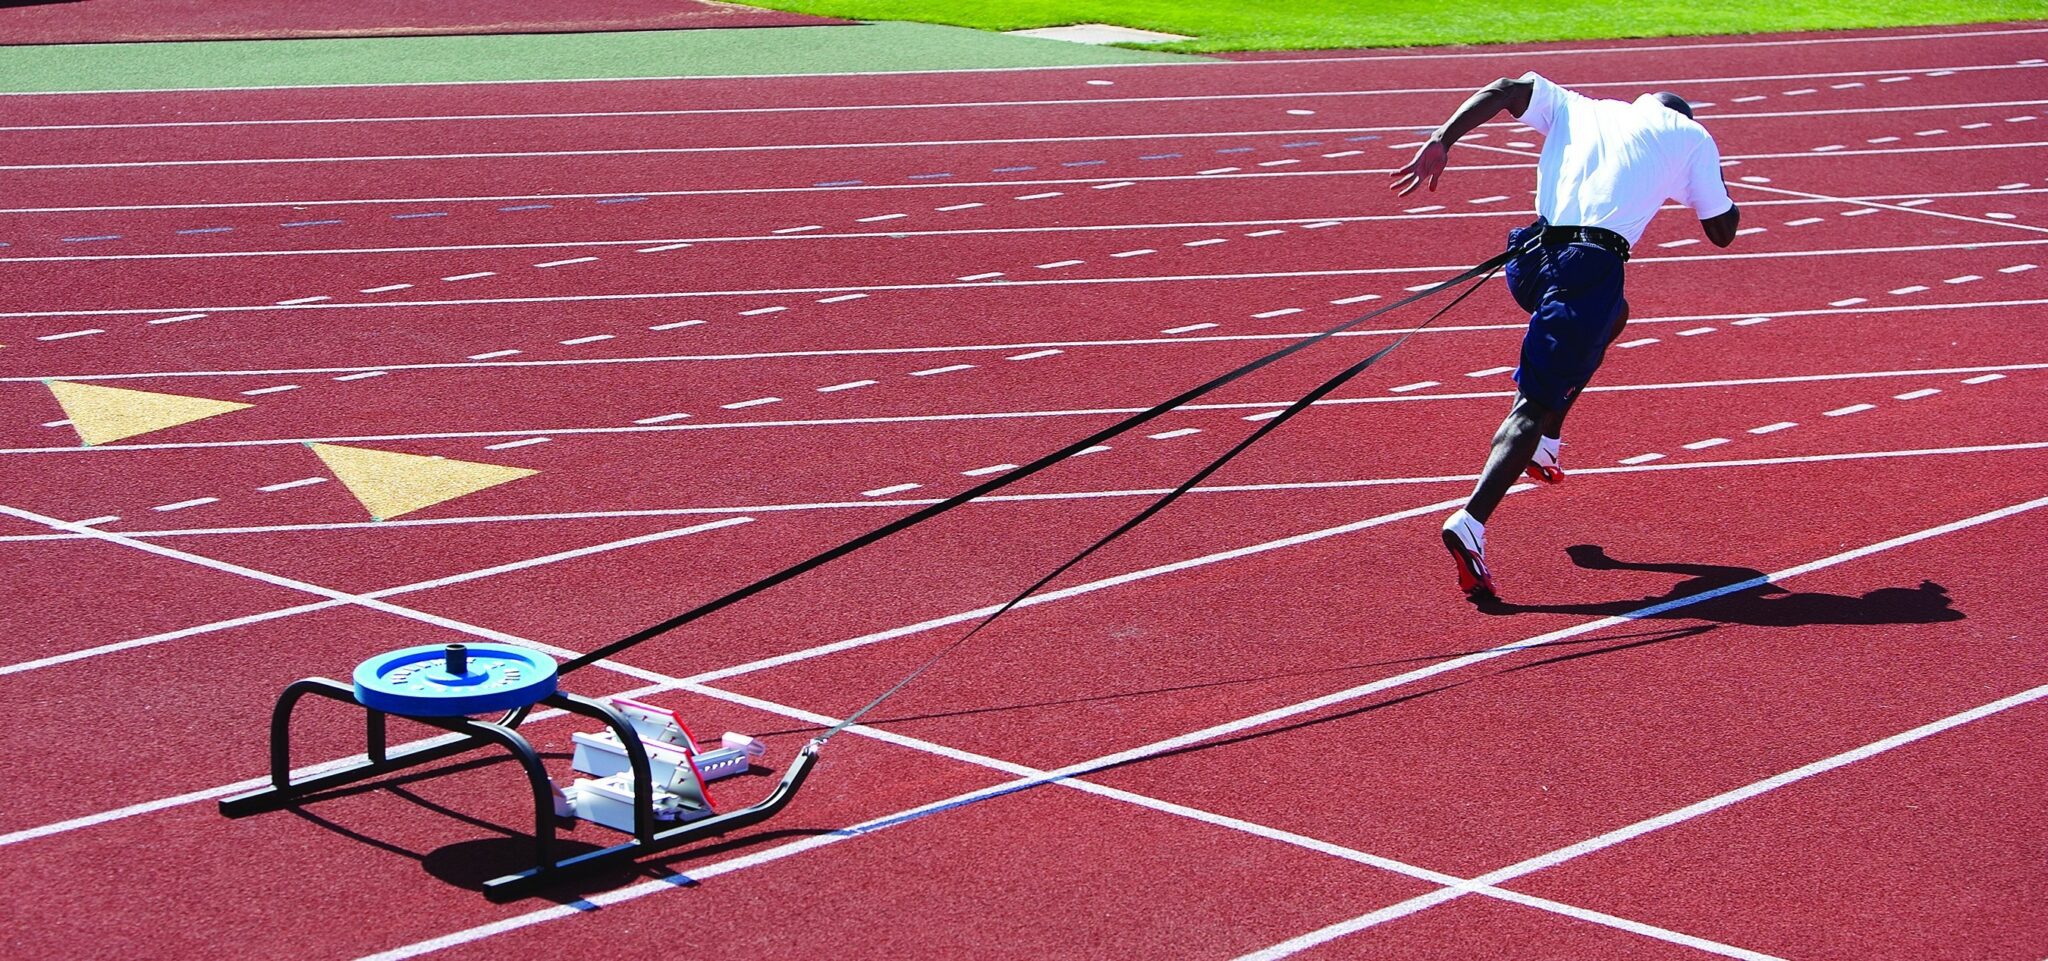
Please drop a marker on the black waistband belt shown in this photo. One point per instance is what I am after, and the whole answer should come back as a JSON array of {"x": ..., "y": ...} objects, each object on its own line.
[{"x": 1597, "y": 236}]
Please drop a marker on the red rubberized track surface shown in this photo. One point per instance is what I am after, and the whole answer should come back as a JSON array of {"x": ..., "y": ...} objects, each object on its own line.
[
  {"x": 117, "y": 21},
  {"x": 1264, "y": 724}
]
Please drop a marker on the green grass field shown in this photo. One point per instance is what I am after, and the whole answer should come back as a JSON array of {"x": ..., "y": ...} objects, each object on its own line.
[{"x": 1311, "y": 24}]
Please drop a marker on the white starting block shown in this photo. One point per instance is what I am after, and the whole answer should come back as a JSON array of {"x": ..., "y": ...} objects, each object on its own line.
[{"x": 679, "y": 767}]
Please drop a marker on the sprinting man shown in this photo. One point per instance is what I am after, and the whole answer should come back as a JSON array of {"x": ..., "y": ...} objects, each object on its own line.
[{"x": 1605, "y": 169}]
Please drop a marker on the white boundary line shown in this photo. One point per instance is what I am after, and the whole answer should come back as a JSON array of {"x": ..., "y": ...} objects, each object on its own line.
[
  {"x": 1073, "y": 102},
  {"x": 1224, "y": 64},
  {"x": 761, "y": 856},
  {"x": 1489, "y": 213},
  {"x": 1849, "y": 312},
  {"x": 874, "y": 145},
  {"x": 1032, "y": 498},
  {"x": 104, "y": 449},
  {"x": 976, "y": 285}
]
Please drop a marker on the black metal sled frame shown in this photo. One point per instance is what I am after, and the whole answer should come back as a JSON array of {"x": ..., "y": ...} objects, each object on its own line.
[{"x": 379, "y": 760}]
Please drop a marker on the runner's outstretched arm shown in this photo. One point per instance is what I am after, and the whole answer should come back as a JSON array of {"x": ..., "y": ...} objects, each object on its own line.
[
  {"x": 1721, "y": 229},
  {"x": 1428, "y": 165}
]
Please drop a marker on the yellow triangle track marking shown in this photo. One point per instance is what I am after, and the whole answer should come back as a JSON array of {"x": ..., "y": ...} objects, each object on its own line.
[
  {"x": 391, "y": 484},
  {"x": 102, "y": 415}
]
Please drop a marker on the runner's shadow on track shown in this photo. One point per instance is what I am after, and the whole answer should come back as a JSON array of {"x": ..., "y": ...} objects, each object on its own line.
[{"x": 1763, "y": 605}]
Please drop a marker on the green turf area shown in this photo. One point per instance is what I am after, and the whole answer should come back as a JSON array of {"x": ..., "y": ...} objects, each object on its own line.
[
  {"x": 740, "y": 52},
  {"x": 1310, "y": 24}
]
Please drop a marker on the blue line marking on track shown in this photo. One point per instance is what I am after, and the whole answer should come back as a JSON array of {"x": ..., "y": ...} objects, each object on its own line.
[
  {"x": 207, "y": 230},
  {"x": 437, "y": 213},
  {"x": 1082, "y": 163},
  {"x": 1304, "y": 143},
  {"x": 1236, "y": 149},
  {"x": 525, "y": 207},
  {"x": 633, "y": 200},
  {"x": 828, "y": 183},
  {"x": 1370, "y": 136},
  {"x": 1159, "y": 156},
  {"x": 310, "y": 223},
  {"x": 928, "y": 176},
  {"x": 1012, "y": 170},
  {"x": 81, "y": 240}
]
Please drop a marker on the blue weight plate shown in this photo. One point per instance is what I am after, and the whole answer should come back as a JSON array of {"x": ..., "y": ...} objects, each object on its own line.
[{"x": 417, "y": 681}]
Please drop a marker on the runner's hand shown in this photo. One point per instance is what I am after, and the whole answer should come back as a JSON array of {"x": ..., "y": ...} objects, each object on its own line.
[{"x": 1428, "y": 165}]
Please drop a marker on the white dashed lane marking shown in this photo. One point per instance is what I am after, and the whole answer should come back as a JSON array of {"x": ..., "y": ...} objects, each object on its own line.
[
  {"x": 592, "y": 339},
  {"x": 67, "y": 335},
  {"x": 387, "y": 288},
  {"x": 475, "y": 276},
  {"x": 279, "y": 389},
  {"x": 1135, "y": 253},
  {"x": 364, "y": 375},
  {"x": 1642, "y": 458},
  {"x": 565, "y": 263},
  {"x": 1060, "y": 263},
  {"x": 1917, "y": 394},
  {"x": 985, "y": 471},
  {"x": 1282, "y": 312},
  {"x": 1985, "y": 379},
  {"x": 1189, "y": 328},
  {"x": 756, "y": 402},
  {"x": 1704, "y": 444},
  {"x": 288, "y": 485},
  {"x": 990, "y": 275},
  {"x": 849, "y": 385},
  {"x": 1418, "y": 385},
  {"x": 1034, "y": 355},
  {"x": 1640, "y": 342},
  {"x": 842, "y": 298},
  {"x": 656, "y": 250},
  {"x": 1489, "y": 372},
  {"x": 894, "y": 489},
  {"x": 508, "y": 445},
  {"x": 1171, "y": 434},
  {"x": 758, "y": 311},
  {"x": 492, "y": 355},
  {"x": 181, "y": 505},
  {"x": 661, "y": 419},
  {"x": 676, "y": 325},
  {"x": 1851, "y": 409},
  {"x": 949, "y": 368},
  {"x": 1774, "y": 428}
]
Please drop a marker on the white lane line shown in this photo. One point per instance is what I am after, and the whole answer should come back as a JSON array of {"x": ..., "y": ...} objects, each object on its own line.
[
  {"x": 1269, "y": 415},
  {"x": 1212, "y": 241},
  {"x": 260, "y": 391},
  {"x": 508, "y": 445},
  {"x": 181, "y": 505},
  {"x": 756, "y": 402},
  {"x": 565, "y": 263},
  {"x": 1188, "y": 328},
  {"x": 1488, "y": 200},
  {"x": 57, "y": 423},
  {"x": 1964, "y": 279},
  {"x": 849, "y": 385},
  {"x": 1985, "y": 379},
  {"x": 1216, "y": 170},
  {"x": 1687, "y": 242},
  {"x": 1361, "y": 298},
  {"x": 1846, "y": 302},
  {"x": 1060, "y": 263},
  {"x": 302, "y": 300},
  {"x": 475, "y": 276},
  {"x": 881, "y": 217},
  {"x": 1282, "y": 312},
  {"x": 1929, "y": 133},
  {"x": 934, "y": 371},
  {"x": 288, "y": 485},
  {"x": 1034, "y": 355},
  {"x": 1114, "y": 185},
  {"x": 1489, "y": 372},
  {"x": 1277, "y": 163},
  {"x": 1851, "y": 409},
  {"x": 1845, "y": 86},
  {"x": 1418, "y": 385},
  {"x": 798, "y": 230},
  {"x": 1803, "y": 221},
  {"x": 1049, "y": 193},
  {"x": 363, "y": 376},
  {"x": 1418, "y": 288},
  {"x": 1746, "y": 231},
  {"x": 387, "y": 288},
  {"x": 1752, "y": 321},
  {"x": 2016, "y": 269},
  {"x": 1320, "y": 224},
  {"x": 675, "y": 325},
  {"x": 1752, "y": 98},
  {"x": 1097, "y": 449},
  {"x": 1917, "y": 394},
  {"x": 758, "y": 311},
  {"x": 985, "y": 471},
  {"x": 1423, "y": 210},
  {"x": 1774, "y": 428},
  {"x": 1695, "y": 332},
  {"x": 1860, "y": 212},
  {"x": 663, "y": 247},
  {"x": 1342, "y": 153},
  {"x": 1638, "y": 342},
  {"x": 1912, "y": 289},
  {"x": 67, "y": 335},
  {"x": 181, "y": 318},
  {"x": 592, "y": 339},
  {"x": 984, "y": 276},
  {"x": 1799, "y": 93},
  {"x": 493, "y": 354},
  {"x": 893, "y": 489},
  {"x": 662, "y": 418},
  {"x": 1704, "y": 444},
  {"x": 94, "y": 522},
  {"x": 842, "y": 298},
  {"x": 1171, "y": 434},
  {"x": 1142, "y": 251},
  {"x": 1265, "y": 233},
  {"x": 1642, "y": 458}
]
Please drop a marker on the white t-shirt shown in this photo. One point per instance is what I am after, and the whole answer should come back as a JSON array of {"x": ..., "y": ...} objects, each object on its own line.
[{"x": 1611, "y": 164}]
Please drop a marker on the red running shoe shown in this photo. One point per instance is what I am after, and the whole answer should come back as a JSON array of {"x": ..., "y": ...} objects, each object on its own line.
[
  {"x": 1543, "y": 464},
  {"x": 1465, "y": 538}
]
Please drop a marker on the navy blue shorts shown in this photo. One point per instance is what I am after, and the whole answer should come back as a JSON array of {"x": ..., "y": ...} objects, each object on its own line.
[{"x": 1573, "y": 295}]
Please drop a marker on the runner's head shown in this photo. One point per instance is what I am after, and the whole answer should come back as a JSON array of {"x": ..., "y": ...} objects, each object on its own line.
[{"x": 1674, "y": 101}]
